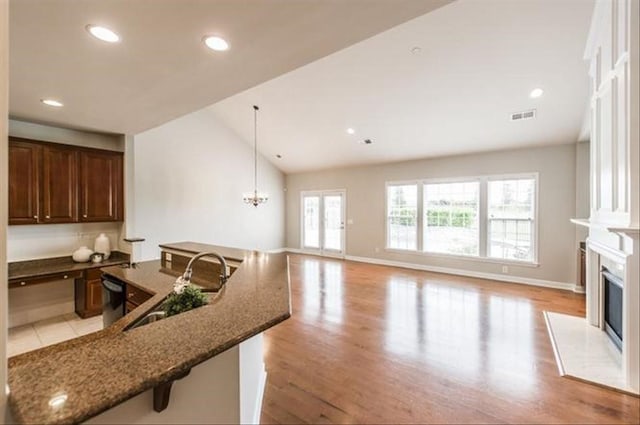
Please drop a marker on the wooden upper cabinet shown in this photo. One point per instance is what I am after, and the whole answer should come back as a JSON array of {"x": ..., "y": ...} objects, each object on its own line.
[
  {"x": 101, "y": 197},
  {"x": 59, "y": 185},
  {"x": 23, "y": 182},
  {"x": 54, "y": 183}
]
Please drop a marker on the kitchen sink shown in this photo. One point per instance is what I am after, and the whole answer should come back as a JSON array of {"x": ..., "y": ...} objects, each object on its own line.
[{"x": 154, "y": 316}]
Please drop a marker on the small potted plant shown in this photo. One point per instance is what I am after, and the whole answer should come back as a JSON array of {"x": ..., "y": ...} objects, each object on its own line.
[{"x": 184, "y": 297}]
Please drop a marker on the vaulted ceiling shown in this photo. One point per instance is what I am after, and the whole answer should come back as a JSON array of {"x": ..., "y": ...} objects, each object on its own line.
[
  {"x": 161, "y": 69},
  {"x": 420, "y": 78},
  {"x": 477, "y": 62}
]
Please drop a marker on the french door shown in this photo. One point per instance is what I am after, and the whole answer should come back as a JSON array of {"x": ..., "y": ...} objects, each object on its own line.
[{"x": 323, "y": 220}]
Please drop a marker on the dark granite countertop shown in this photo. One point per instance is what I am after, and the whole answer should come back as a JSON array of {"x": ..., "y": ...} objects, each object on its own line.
[
  {"x": 46, "y": 266},
  {"x": 233, "y": 254},
  {"x": 103, "y": 369}
]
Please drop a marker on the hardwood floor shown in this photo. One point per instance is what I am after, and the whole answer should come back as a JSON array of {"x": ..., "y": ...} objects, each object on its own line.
[{"x": 375, "y": 344}]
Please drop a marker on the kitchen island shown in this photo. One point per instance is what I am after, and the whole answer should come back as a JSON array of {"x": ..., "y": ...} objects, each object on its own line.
[{"x": 79, "y": 379}]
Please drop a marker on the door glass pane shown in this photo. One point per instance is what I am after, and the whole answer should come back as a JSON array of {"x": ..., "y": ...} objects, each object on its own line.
[
  {"x": 311, "y": 207},
  {"x": 333, "y": 222}
]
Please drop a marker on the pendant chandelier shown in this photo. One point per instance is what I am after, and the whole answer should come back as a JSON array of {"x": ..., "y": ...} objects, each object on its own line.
[{"x": 255, "y": 198}]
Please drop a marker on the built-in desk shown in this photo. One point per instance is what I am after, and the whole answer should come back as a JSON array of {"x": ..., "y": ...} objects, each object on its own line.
[{"x": 86, "y": 278}]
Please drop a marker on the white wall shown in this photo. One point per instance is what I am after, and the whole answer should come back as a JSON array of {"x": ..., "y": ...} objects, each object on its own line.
[
  {"x": 4, "y": 112},
  {"x": 56, "y": 240},
  {"x": 190, "y": 175},
  {"x": 366, "y": 206}
]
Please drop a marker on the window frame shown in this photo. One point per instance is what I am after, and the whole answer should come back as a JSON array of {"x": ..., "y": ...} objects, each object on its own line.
[
  {"x": 480, "y": 218},
  {"x": 536, "y": 216},
  {"x": 418, "y": 212},
  {"x": 483, "y": 217}
]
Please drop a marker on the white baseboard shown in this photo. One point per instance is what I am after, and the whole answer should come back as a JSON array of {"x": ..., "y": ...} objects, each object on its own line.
[
  {"x": 261, "y": 385},
  {"x": 277, "y": 251},
  {"x": 458, "y": 272}
]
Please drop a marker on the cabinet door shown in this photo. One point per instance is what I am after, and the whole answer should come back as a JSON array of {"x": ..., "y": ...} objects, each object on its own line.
[
  {"x": 23, "y": 182},
  {"x": 101, "y": 186},
  {"x": 59, "y": 185},
  {"x": 94, "y": 296}
]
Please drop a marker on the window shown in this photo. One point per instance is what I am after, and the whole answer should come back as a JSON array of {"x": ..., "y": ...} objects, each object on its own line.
[
  {"x": 490, "y": 217},
  {"x": 511, "y": 214},
  {"x": 402, "y": 216},
  {"x": 311, "y": 213},
  {"x": 451, "y": 222}
]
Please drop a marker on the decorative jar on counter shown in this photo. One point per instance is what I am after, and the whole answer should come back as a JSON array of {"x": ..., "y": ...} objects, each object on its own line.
[
  {"x": 82, "y": 254},
  {"x": 102, "y": 245}
]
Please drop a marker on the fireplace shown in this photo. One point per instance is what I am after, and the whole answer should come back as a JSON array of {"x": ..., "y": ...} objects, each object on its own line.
[{"x": 612, "y": 306}]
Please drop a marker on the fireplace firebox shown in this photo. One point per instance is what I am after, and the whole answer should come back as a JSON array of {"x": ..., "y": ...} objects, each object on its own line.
[{"x": 613, "y": 287}]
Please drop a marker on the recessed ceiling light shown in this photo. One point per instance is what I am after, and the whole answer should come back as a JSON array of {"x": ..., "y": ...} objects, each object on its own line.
[
  {"x": 52, "y": 102},
  {"x": 102, "y": 33},
  {"x": 366, "y": 142},
  {"x": 278, "y": 156},
  {"x": 536, "y": 93},
  {"x": 351, "y": 131},
  {"x": 416, "y": 50},
  {"x": 216, "y": 43}
]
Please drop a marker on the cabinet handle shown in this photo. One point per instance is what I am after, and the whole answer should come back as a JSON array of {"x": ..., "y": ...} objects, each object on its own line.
[
  {"x": 35, "y": 216},
  {"x": 84, "y": 215},
  {"x": 23, "y": 283},
  {"x": 47, "y": 217},
  {"x": 65, "y": 276}
]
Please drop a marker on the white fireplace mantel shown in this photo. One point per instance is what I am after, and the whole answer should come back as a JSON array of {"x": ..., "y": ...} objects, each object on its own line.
[
  {"x": 621, "y": 230},
  {"x": 612, "y": 51}
]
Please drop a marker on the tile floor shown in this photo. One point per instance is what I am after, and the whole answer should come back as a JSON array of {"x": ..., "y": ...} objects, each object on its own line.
[{"x": 50, "y": 331}]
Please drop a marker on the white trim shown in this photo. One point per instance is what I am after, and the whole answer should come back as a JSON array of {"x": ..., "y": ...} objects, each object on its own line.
[
  {"x": 611, "y": 253},
  {"x": 260, "y": 397},
  {"x": 475, "y": 258},
  {"x": 457, "y": 272},
  {"x": 415, "y": 183},
  {"x": 321, "y": 194},
  {"x": 315, "y": 252},
  {"x": 467, "y": 273},
  {"x": 276, "y": 251},
  {"x": 483, "y": 216}
]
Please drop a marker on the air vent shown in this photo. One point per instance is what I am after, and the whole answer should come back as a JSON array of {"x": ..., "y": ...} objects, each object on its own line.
[{"x": 524, "y": 115}]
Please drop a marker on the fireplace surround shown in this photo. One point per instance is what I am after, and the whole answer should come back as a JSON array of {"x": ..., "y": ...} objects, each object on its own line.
[{"x": 617, "y": 263}]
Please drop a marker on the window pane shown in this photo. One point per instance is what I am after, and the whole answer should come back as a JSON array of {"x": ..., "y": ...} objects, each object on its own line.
[
  {"x": 311, "y": 205},
  {"x": 402, "y": 214},
  {"x": 333, "y": 222},
  {"x": 451, "y": 218},
  {"x": 511, "y": 214}
]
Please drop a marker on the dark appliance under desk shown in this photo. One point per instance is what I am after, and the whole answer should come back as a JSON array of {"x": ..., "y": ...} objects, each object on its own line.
[{"x": 113, "y": 299}]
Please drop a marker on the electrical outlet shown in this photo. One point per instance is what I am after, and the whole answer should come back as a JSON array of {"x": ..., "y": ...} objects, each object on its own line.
[{"x": 505, "y": 269}]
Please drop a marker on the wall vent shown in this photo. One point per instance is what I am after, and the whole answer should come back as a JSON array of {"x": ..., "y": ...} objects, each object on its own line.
[{"x": 524, "y": 115}]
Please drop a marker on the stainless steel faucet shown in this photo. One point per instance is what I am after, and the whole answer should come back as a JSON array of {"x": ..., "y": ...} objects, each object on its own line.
[{"x": 186, "y": 276}]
